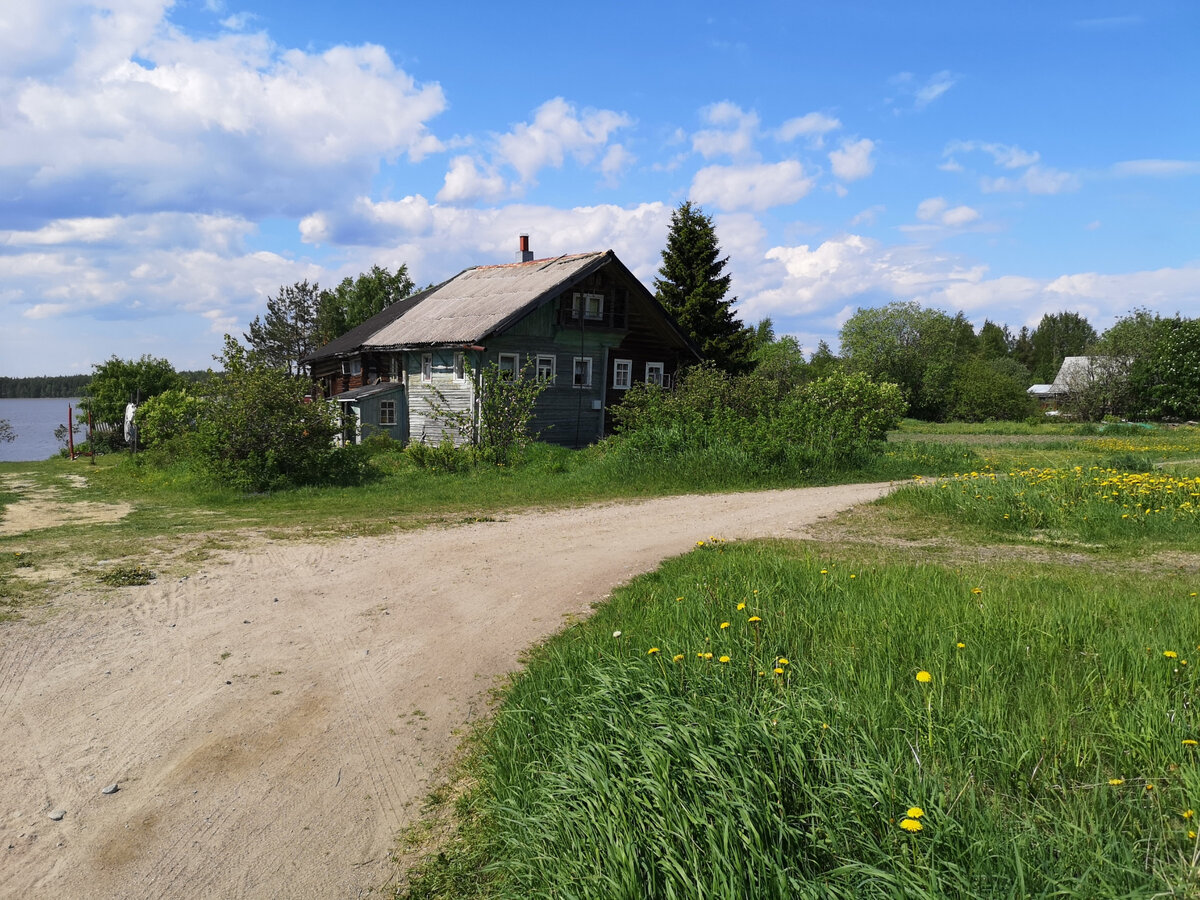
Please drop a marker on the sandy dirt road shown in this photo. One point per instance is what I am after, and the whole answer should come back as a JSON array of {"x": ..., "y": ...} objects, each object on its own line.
[{"x": 274, "y": 721}]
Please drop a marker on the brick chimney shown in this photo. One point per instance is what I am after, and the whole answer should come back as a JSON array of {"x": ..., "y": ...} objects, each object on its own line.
[{"x": 524, "y": 254}]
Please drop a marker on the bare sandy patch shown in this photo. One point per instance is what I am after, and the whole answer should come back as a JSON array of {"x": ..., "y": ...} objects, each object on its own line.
[{"x": 43, "y": 507}]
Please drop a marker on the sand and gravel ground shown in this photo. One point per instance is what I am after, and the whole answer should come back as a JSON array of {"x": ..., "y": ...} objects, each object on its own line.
[{"x": 274, "y": 720}]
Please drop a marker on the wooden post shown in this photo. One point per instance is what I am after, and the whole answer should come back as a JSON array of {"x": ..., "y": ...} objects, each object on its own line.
[
  {"x": 91, "y": 441},
  {"x": 70, "y": 432}
]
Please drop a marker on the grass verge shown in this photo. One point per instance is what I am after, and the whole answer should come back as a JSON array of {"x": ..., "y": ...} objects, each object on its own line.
[{"x": 753, "y": 720}]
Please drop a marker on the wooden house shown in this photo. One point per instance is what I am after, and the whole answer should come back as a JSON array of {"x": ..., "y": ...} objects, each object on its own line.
[{"x": 583, "y": 322}]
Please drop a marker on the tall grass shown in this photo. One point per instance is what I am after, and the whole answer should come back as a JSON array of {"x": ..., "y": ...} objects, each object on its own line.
[
  {"x": 1094, "y": 504},
  {"x": 656, "y": 751}
]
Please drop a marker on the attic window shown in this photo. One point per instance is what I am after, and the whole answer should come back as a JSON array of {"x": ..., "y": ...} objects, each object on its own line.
[{"x": 591, "y": 304}]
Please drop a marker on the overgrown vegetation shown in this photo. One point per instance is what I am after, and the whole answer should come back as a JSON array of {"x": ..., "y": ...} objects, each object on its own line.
[{"x": 757, "y": 721}]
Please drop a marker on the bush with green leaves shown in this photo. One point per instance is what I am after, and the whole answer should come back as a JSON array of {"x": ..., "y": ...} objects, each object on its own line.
[
  {"x": 257, "y": 431},
  {"x": 747, "y": 426},
  {"x": 116, "y": 382},
  {"x": 167, "y": 417}
]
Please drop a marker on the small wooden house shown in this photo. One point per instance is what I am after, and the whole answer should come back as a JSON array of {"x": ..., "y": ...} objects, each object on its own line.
[{"x": 583, "y": 322}]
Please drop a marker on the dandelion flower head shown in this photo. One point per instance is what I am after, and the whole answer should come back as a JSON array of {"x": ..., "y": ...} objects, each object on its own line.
[
  {"x": 924, "y": 677},
  {"x": 911, "y": 825}
]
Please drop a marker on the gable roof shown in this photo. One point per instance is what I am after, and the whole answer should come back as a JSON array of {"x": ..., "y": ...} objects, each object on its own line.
[
  {"x": 1076, "y": 371},
  {"x": 477, "y": 303}
]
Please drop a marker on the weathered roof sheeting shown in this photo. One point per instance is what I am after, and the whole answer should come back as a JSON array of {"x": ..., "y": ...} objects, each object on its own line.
[
  {"x": 352, "y": 340},
  {"x": 368, "y": 390},
  {"x": 481, "y": 301}
]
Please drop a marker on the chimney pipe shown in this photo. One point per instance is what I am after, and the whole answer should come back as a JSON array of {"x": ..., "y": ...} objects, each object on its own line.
[{"x": 524, "y": 254}]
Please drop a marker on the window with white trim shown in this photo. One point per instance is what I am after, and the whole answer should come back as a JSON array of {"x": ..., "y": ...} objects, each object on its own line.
[
  {"x": 583, "y": 372},
  {"x": 460, "y": 369},
  {"x": 510, "y": 365},
  {"x": 395, "y": 373},
  {"x": 654, "y": 373},
  {"x": 387, "y": 412},
  {"x": 592, "y": 306},
  {"x": 622, "y": 374},
  {"x": 544, "y": 368},
  {"x": 427, "y": 367}
]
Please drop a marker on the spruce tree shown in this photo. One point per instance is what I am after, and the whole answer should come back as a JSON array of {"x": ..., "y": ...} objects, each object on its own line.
[{"x": 692, "y": 288}]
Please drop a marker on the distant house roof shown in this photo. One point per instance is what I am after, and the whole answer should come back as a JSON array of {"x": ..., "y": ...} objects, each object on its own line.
[
  {"x": 1077, "y": 371},
  {"x": 1040, "y": 390},
  {"x": 471, "y": 306}
]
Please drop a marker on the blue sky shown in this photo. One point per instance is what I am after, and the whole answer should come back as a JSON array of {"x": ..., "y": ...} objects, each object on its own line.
[{"x": 164, "y": 168}]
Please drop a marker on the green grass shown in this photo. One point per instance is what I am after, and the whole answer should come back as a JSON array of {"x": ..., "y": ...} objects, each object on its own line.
[{"x": 614, "y": 771}]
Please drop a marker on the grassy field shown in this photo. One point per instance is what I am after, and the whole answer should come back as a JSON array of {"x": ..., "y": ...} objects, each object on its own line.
[{"x": 1004, "y": 708}]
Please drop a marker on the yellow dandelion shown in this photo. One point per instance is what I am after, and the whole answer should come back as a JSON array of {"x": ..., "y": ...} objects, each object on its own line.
[
  {"x": 778, "y": 671},
  {"x": 960, "y": 645},
  {"x": 1189, "y": 742},
  {"x": 724, "y": 624},
  {"x": 708, "y": 656},
  {"x": 824, "y": 726},
  {"x": 678, "y": 599},
  {"x": 651, "y": 651},
  {"x": 1115, "y": 781},
  {"x": 1170, "y": 654},
  {"x": 754, "y": 619},
  {"x": 677, "y": 657},
  {"x": 741, "y": 606},
  {"x": 1149, "y": 787},
  {"x": 911, "y": 825},
  {"x": 723, "y": 659},
  {"x": 915, "y": 812},
  {"x": 1191, "y": 835},
  {"x": 853, "y": 576},
  {"x": 783, "y": 660},
  {"x": 1188, "y": 813},
  {"x": 824, "y": 571},
  {"x": 924, "y": 677},
  {"x": 977, "y": 590}
]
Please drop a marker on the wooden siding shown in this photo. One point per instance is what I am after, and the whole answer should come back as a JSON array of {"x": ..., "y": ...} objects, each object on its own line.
[
  {"x": 369, "y": 408},
  {"x": 443, "y": 390}
]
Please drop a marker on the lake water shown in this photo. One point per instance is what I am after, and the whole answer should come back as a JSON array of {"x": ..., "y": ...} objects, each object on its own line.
[{"x": 34, "y": 422}]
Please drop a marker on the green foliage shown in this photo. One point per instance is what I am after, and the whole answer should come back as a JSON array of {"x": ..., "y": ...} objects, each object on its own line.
[
  {"x": 778, "y": 358},
  {"x": 166, "y": 417},
  {"x": 506, "y": 406},
  {"x": 917, "y": 349},
  {"x": 692, "y": 287},
  {"x": 986, "y": 389},
  {"x": 43, "y": 386},
  {"x": 1175, "y": 364},
  {"x": 1058, "y": 336},
  {"x": 7, "y": 435},
  {"x": 748, "y": 426},
  {"x": 995, "y": 341},
  {"x": 627, "y": 760},
  {"x": 446, "y": 457},
  {"x": 355, "y": 300},
  {"x": 288, "y": 331},
  {"x": 117, "y": 382},
  {"x": 126, "y": 575},
  {"x": 258, "y": 432}
]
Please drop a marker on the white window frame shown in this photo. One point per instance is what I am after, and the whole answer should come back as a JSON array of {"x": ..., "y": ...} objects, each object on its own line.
[
  {"x": 547, "y": 373},
  {"x": 515, "y": 358},
  {"x": 426, "y": 368},
  {"x": 460, "y": 370},
  {"x": 585, "y": 302},
  {"x": 575, "y": 382},
  {"x": 622, "y": 367},
  {"x": 651, "y": 369},
  {"x": 395, "y": 372},
  {"x": 387, "y": 412}
]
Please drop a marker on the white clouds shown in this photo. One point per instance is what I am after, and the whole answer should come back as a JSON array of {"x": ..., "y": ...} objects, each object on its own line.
[
  {"x": 921, "y": 93},
  {"x": 734, "y": 133},
  {"x": 869, "y": 215},
  {"x": 464, "y": 181},
  {"x": 751, "y": 187},
  {"x": 1156, "y": 168},
  {"x": 812, "y": 125},
  {"x": 1036, "y": 179},
  {"x": 853, "y": 160},
  {"x": 556, "y": 132},
  {"x": 936, "y": 209},
  {"x": 139, "y": 116}
]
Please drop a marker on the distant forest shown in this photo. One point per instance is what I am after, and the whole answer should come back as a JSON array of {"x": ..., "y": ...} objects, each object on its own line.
[{"x": 62, "y": 385}]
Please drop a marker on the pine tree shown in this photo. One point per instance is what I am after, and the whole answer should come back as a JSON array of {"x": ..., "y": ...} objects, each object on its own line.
[
  {"x": 692, "y": 288},
  {"x": 286, "y": 334}
]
